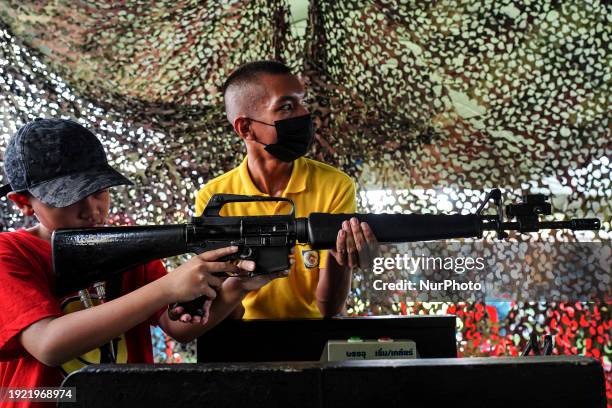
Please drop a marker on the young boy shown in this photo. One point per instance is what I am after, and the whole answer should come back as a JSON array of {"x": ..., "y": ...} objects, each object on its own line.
[{"x": 58, "y": 172}]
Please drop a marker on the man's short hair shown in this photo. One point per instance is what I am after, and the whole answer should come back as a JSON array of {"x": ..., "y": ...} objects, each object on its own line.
[
  {"x": 240, "y": 93},
  {"x": 251, "y": 70}
]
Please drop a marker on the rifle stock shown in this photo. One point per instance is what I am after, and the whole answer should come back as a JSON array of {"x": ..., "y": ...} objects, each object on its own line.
[{"x": 84, "y": 256}]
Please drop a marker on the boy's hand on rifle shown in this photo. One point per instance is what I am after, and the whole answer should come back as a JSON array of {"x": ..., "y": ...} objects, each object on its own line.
[
  {"x": 356, "y": 245},
  {"x": 236, "y": 286},
  {"x": 195, "y": 278}
]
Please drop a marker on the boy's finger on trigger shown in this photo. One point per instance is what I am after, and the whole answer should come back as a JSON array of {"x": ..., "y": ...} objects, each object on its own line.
[{"x": 218, "y": 253}]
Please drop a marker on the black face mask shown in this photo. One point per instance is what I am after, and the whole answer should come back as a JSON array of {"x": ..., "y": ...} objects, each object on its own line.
[{"x": 293, "y": 137}]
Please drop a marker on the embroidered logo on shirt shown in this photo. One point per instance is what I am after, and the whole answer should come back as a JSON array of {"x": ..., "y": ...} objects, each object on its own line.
[{"x": 311, "y": 258}]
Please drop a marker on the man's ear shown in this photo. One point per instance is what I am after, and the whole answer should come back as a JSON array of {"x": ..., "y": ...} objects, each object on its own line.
[
  {"x": 23, "y": 202},
  {"x": 242, "y": 126}
]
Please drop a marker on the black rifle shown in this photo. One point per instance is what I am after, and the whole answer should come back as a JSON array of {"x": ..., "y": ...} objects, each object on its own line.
[{"x": 84, "y": 256}]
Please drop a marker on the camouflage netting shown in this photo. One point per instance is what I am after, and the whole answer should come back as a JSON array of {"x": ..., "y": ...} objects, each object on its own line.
[{"x": 425, "y": 104}]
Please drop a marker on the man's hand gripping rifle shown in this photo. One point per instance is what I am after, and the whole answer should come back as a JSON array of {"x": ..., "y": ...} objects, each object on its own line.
[{"x": 82, "y": 257}]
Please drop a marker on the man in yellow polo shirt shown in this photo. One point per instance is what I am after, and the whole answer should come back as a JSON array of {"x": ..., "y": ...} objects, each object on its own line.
[{"x": 263, "y": 102}]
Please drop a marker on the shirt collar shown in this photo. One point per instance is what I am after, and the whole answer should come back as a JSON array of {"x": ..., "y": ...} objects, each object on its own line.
[{"x": 297, "y": 181}]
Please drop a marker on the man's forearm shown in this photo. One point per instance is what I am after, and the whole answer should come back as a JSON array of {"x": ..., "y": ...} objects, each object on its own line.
[{"x": 333, "y": 287}]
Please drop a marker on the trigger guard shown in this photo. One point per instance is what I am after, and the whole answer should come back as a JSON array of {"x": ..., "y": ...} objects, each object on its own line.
[
  {"x": 244, "y": 253},
  {"x": 247, "y": 253}
]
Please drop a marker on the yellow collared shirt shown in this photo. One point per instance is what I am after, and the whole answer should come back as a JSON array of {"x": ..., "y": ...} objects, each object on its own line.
[{"x": 313, "y": 187}]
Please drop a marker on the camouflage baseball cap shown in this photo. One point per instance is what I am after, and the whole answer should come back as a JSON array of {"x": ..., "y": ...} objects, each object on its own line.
[{"x": 58, "y": 161}]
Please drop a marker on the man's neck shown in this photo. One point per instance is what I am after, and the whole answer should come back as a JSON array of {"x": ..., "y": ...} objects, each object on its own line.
[{"x": 270, "y": 177}]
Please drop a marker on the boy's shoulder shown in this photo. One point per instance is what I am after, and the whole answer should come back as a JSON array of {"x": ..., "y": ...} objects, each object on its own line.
[
  {"x": 20, "y": 235},
  {"x": 24, "y": 251},
  {"x": 22, "y": 241}
]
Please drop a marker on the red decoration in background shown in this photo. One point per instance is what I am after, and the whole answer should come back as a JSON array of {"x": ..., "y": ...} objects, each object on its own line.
[{"x": 578, "y": 328}]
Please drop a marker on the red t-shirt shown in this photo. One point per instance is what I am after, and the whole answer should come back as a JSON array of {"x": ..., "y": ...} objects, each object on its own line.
[{"x": 26, "y": 282}]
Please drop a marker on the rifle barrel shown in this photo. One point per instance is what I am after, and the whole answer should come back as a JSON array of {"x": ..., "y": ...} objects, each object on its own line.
[
  {"x": 321, "y": 229},
  {"x": 581, "y": 224}
]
